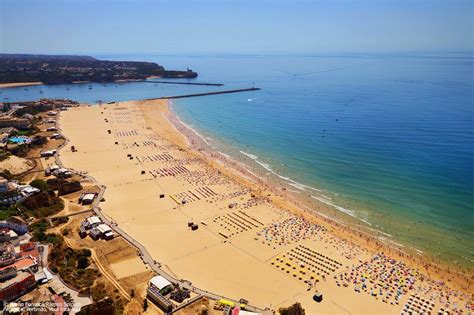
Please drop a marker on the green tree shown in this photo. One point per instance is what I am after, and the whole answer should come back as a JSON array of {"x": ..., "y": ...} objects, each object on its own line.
[
  {"x": 6, "y": 174},
  {"x": 40, "y": 184},
  {"x": 82, "y": 262},
  {"x": 295, "y": 309}
]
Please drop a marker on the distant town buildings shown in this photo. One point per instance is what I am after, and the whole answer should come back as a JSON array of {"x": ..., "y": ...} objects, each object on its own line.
[
  {"x": 19, "y": 259},
  {"x": 17, "y": 286},
  {"x": 11, "y": 192}
]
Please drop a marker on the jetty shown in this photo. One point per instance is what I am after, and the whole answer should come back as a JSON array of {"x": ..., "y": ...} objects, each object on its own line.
[
  {"x": 204, "y": 94},
  {"x": 185, "y": 83}
]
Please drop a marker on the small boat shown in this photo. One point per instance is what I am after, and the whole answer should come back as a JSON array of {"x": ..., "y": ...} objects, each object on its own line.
[{"x": 41, "y": 92}]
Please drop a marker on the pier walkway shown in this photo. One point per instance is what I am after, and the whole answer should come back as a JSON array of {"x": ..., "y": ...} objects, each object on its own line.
[
  {"x": 185, "y": 83},
  {"x": 205, "y": 94}
]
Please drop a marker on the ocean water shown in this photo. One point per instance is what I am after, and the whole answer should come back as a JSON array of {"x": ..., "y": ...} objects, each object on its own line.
[{"x": 388, "y": 140}]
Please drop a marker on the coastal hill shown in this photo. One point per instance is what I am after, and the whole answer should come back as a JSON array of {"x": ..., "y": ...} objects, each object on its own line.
[{"x": 54, "y": 69}]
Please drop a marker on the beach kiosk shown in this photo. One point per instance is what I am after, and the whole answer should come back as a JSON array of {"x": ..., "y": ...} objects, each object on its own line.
[
  {"x": 105, "y": 231},
  {"x": 163, "y": 285},
  {"x": 92, "y": 222},
  {"x": 158, "y": 287},
  {"x": 87, "y": 199}
]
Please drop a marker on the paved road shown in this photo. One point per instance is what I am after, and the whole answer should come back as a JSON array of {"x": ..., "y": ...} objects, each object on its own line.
[{"x": 145, "y": 255}]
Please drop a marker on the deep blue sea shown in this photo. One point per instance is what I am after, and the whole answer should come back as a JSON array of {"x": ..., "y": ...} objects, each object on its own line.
[{"x": 389, "y": 139}]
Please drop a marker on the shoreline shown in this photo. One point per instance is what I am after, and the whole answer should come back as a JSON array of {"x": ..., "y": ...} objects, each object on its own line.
[
  {"x": 147, "y": 115},
  {"x": 22, "y": 84},
  {"x": 372, "y": 237},
  {"x": 18, "y": 84}
]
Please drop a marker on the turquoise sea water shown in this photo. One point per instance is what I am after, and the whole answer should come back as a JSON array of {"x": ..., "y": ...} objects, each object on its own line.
[{"x": 388, "y": 139}]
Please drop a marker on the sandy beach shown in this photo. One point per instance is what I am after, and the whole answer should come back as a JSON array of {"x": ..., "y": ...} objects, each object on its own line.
[
  {"x": 18, "y": 84},
  {"x": 251, "y": 243},
  {"x": 15, "y": 164}
]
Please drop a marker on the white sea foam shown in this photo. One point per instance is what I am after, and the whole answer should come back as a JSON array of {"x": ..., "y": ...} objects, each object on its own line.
[
  {"x": 398, "y": 244},
  {"x": 269, "y": 169},
  {"x": 350, "y": 212},
  {"x": 195, "y": 131},
  {"x": 471, "y": 260},
  {"x": 253, "y": 157},
  {"x": 200, "y": 136},
  {"x": 265, "y": 166},
  {"x": 225, "y": 155},
  {"x": 296, "y": 184},
  {"x": 324, "y": 196},
  {"x": 379, "y": 231},
  {"x": 419, "y": 252}
]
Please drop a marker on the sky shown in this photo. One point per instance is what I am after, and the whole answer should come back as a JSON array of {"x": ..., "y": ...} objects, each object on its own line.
[{"x": 238, "y": 26}]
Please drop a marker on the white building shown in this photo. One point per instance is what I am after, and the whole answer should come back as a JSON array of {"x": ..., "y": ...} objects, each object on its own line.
[
  {"x": 87, "y": 199},
  {"x": 16, "y": 224},
  {"x": 105, "y": 231},
  {"x": 93, "y": 221},
  {"x": 160, "y": 283},
  {"x": 48, "y": 153},
  {"x": 62, "y": 172},
  {"x": 27, "y": 190}
]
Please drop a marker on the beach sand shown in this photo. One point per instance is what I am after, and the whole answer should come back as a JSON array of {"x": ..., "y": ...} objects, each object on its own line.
[
  {"x": 15, "y": 164},
  {"x": 250, "y": 243},
  {"x": 128, "y": 267},
  {"x": 18, "y": 84}
]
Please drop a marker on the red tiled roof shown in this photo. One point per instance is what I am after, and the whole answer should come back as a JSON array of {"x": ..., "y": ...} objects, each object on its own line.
[
  {"x": 34, "y": 253},
  {"x": 22, "y": 263}
]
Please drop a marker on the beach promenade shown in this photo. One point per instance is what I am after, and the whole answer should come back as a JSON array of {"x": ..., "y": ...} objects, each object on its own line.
[{"x": 245, "y": 246}]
